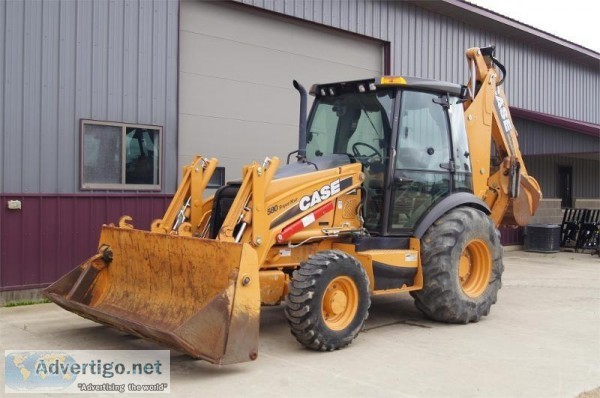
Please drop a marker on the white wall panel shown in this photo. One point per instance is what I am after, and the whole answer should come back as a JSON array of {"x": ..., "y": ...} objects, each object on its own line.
[{"x": 237, "y": 64}]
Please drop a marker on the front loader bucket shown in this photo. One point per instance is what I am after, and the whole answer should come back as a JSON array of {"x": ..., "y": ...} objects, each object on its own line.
[{"x": 197, "y": 296}]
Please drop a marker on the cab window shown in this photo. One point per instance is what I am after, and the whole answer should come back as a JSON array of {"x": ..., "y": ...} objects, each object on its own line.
[
  {"x": 421, "y": 172},
  {"x": 463, "y": 180},
  {"x": 357, "y": 124},
  {"x": 344, "y": 123}
]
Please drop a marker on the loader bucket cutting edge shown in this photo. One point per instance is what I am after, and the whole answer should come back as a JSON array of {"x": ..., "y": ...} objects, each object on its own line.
[{"x": 197, "y": 296}]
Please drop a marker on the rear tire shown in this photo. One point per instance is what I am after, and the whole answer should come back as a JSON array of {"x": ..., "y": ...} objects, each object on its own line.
[
  {"x": 462, "y": 267},
  {"x": 328, "y": 301}
]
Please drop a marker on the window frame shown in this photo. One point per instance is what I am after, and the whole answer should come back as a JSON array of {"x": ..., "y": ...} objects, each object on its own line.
[{"x": 84, "y": 186}]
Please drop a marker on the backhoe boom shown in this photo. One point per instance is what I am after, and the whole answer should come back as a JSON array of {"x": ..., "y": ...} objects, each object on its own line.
[{"x": 512, "y": 195}]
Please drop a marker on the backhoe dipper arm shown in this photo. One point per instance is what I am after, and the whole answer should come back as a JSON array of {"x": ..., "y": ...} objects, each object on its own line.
[{"x": 512, "y": 195}]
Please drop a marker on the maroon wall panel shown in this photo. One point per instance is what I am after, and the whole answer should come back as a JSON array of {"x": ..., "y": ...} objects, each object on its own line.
[
  {"x": 511, "y": 236},
  {"x": 52, "y": 234}
]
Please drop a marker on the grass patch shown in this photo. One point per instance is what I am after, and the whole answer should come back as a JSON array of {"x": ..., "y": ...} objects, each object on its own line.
[{"x": 26, "y": 302}]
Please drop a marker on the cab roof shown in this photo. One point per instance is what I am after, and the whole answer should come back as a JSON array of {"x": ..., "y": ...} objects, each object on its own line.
[{"x": 333, "y": 89}]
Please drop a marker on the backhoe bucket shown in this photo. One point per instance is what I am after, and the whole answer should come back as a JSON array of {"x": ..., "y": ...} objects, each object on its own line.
[
  {"x": 523, "y": 207},
  {"x": 195, "y": 295}
]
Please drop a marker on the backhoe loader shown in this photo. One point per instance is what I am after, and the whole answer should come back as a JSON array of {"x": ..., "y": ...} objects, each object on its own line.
[{"x": 394, "y": 189}]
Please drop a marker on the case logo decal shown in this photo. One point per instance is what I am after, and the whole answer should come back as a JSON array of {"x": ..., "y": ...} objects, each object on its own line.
[{"x": 327, "y": 191}]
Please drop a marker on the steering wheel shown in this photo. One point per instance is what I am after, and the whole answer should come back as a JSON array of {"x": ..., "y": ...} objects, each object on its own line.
[{"x": 367, "y": 159}]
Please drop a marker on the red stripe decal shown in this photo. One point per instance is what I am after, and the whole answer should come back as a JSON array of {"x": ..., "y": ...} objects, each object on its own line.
[{"x": 305, "y": 221}]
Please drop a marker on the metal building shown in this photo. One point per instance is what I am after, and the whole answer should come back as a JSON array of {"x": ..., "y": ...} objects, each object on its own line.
[{"x": 103, "y": 102}]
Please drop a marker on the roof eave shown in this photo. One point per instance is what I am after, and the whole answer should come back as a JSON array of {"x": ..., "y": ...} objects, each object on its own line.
[
  {"x": 556, "y": 121},
  {"x": 498, "y": 23}
]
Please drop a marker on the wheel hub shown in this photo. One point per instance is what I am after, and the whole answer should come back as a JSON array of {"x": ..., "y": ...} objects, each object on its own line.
[
  {"x": 340, "y": 303},
  {"x": 337, "y": 302},
  {"x": 475, "y": 268},
  {"x": 464, "y": 270}
]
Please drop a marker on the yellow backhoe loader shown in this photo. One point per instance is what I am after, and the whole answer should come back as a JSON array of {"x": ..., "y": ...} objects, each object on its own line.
[{"x": 396, "y": 187}]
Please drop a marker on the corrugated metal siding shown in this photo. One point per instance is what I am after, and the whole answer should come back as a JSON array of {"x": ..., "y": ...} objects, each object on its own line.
[
  {"x": 64, "y": 60},
  {"x": 3, "y": 29},
  {"x": 52, "y": 234},
  {"x": 586, "y": 174},
  {"x": 430, "y": 45},
  {"x": 542, "y": 139}
]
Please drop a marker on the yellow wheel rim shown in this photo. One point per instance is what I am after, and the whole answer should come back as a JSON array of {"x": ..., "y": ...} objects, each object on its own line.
[
  {"x": 475, "y": 268},
  {"x": 340, "y": 303}
]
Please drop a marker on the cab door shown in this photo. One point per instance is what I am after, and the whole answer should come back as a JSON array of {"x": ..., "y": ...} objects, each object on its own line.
[{"x": 421, "y": 173}]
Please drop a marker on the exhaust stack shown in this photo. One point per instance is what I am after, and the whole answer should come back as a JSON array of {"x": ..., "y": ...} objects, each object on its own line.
[{"x": 302, "y": 122}]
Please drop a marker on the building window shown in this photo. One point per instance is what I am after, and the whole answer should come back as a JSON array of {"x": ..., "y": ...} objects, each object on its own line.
[{"x": 120, "y": 156}]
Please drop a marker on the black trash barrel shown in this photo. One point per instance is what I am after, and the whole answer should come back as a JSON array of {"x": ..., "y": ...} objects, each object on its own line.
[{"x": 544, "y": 238}]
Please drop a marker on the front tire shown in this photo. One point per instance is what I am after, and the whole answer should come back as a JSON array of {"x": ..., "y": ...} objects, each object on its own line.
[
  {"x": 328, "y": 301},
  {"x": 462, "y": 267}
]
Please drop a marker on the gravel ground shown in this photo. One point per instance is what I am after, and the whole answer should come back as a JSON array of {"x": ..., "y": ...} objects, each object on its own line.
[{"x": 540, "y": 340}]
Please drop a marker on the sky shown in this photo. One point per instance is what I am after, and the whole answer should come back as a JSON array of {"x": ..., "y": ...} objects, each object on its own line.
[{"x": 574, "y": 20}]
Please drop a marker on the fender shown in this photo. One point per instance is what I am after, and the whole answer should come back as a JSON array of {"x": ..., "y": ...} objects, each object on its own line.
[{"x": 447, "y": 204}]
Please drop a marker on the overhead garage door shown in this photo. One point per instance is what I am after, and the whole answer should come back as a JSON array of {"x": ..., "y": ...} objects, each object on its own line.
[{"x": 236, "y": 100}]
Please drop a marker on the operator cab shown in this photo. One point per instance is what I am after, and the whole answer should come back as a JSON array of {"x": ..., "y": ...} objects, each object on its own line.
[{"x": 408, "y": 133}]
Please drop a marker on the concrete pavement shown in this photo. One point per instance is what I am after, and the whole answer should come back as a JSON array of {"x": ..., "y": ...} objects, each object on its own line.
[{"x": 542, "y": 339}]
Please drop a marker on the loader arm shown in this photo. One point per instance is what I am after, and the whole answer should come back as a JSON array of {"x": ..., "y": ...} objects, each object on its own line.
[
  {"x": 184, "y": 214},
  {"x": 512, "y": 195},
  {"x": 249, "y": 205}
]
